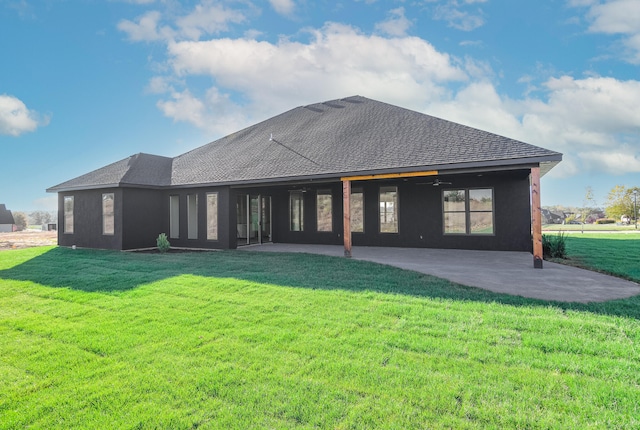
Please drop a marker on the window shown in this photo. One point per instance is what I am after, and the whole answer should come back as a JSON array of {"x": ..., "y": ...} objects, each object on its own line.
[
  {"x": 212, "y": 216},
  {"x": 296, "y": 210},
  {"x": 468, "y": 211},
  {"x": 357, "y": 210},
  {"x": 455, "y": 212},
  {"x": 68, "y": 214},
  {"x": 107, "y": 214},
  {"x": 192, "y": 216},
  {"x": 388, "y": 209},
  {"x": 324, "y": 212},
  {"x": 174, "y": 217}
]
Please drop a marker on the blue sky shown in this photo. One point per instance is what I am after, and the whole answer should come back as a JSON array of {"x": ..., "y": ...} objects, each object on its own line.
[{"x": 86, "y": 83}]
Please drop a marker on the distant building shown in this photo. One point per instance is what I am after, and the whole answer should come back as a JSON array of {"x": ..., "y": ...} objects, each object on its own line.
[
  {"x": 549, "y": 217},
  {"x": 6, "y": 220}
]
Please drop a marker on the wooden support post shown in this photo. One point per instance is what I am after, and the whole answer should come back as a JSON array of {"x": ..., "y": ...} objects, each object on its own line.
[
  {"x": 536, "y": 217},
  {"x": 346, "y": 216}
]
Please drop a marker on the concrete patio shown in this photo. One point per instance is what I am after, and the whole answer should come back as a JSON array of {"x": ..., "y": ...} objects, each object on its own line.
[{"x": 497, "y": 271}]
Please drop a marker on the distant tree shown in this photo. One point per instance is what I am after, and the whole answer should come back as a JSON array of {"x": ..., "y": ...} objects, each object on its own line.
[
  {"x": 20, "y": 218},
  {"x": 39, "y": 217},
  {"x": 620, "y": 201}
]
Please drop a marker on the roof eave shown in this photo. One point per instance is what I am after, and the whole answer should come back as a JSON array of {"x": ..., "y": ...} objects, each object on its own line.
[
  {"x": 61, "y": 189},
  {"x": 548, "y": 161}
]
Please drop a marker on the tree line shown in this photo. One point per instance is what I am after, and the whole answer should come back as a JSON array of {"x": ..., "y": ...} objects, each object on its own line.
[
  {"x": 620, "y": 202},
  {"x": 24, "y": 219}
]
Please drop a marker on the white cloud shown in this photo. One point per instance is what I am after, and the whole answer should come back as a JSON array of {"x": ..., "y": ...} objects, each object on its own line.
[
  {"x": 206, "y": 18},
  {"x": 396, "y": 24},
  {"x": 593, "y": 120},
  {"x": 214, "y": 113},
  {"x": 616, "y": 17},
  {"x": 337, "y": 62},
  {"x": 457, "y": 17},
  {"x": 159, "y": 85},
  {"x": 16, "y": 119},
  {"x": 615, "y": 163},
  {"x": 146, "y": 28},
  {"x": 283, "y": 7}
]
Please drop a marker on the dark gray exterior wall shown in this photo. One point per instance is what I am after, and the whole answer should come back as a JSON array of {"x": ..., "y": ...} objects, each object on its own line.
[
  {"x": 420, "y": 214},
  {"x": 226, "y": 229},
  {"x": 87, "y": 220},
  {"x": 142, "y": 214},
  {"x": 143, "y": 217}
]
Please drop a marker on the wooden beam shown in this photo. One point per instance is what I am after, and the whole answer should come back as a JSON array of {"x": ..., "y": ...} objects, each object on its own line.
[
  {"x": 536, "y": 217},
  {"x": 346, "y": 216},
  {"x": 390, "y": 176}
]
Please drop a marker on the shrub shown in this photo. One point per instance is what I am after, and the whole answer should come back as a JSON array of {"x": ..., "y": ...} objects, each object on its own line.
[
  {"x": 554, "y": 246},
  {"x": 605, "y": 221},
  {"x": 163, "y": 243}
]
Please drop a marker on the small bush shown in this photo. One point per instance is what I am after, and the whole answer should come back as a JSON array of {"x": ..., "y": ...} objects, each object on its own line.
[
  {"x": 605, "y": 221},
  {"x": 163, "y": 243},
  {"x": 554, "y": 246}
]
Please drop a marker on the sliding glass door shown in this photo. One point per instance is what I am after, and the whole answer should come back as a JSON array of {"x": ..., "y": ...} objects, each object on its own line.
[{"x": 253, "y": 219}]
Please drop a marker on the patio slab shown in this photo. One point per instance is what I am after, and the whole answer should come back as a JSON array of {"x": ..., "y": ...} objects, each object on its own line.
[{"x": 497, "y": 271}]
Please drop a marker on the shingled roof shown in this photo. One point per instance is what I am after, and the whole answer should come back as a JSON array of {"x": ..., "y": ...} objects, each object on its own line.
[
  {"x": 354, "y": 135},
  {"x": 6, "y": 217},
  {"x": 139, "y": 170}
]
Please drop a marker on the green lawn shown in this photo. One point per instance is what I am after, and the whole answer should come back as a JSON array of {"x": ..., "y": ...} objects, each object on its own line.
[
  {"x": 101, "y": 339},
  {"x": 588, "y": 227},
  {"x": 616, "y": 254}
]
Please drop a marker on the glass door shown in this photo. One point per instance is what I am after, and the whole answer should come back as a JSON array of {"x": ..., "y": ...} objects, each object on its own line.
[
  {"x": 242, "y": 214},
  {"x": 265, "y": 219},
  {"x": 253, "y": 219}
]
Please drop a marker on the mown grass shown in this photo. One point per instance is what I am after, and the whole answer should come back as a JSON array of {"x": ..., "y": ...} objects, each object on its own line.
[
  {"x": 100, "y": 339},
  {"x": 615, "y": 254},
  {"x": 588, "y": 227}
]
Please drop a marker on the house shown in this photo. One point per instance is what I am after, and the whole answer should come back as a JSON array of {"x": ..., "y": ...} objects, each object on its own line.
[
  {"x": 549, "y": 217},
  {"x": 348, "y": 171},
  {"x": 6, "y": 220}
]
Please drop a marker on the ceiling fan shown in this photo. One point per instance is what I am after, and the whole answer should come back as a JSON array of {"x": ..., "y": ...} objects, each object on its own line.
[{"x": 436, "y": 183}]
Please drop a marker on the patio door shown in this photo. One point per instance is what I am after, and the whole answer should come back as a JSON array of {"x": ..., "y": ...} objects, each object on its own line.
[{"x": 254, "y": 219}]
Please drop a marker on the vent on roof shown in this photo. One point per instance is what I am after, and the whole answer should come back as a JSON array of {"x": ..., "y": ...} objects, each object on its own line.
[
  {"x": 314, "y": 109},
  {"x": 333, "y": 105}
]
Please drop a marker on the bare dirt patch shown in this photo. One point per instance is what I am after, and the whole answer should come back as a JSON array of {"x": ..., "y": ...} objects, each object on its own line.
[{"x": 27, "y": 239}]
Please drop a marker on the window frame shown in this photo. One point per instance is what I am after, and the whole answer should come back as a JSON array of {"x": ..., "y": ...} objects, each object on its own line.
[
  {"x": 300, "y": 211},
  {"x": 324, "y": 192},
  {"x": 213, "y": 216},
  {"x": 65, "y": 214},
  {"x": 396, "y": 209},
  {"x": 468, "y": 212},
  {"x": 112, "y": 215}
]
